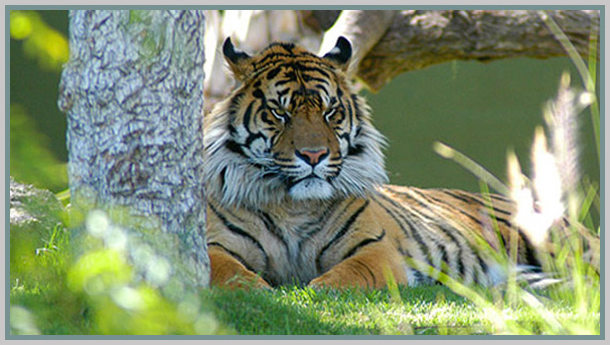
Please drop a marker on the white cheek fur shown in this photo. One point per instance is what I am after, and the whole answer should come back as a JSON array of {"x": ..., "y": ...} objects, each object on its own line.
[{"x": 258, "y": 147}]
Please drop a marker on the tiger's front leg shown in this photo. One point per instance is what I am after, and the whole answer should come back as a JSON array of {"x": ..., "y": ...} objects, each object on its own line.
[
  {"x": 370, "y": 267},
  {"x": 228, "y": 272}
]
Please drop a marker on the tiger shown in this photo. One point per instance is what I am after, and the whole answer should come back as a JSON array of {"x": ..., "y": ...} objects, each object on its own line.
[{"x": 297, "y": 192}]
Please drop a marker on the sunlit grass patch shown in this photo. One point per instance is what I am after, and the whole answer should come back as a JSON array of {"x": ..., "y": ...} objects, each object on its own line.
[
  {"x": 295, "y": 310},
  {"x": 429, "y": 310}
]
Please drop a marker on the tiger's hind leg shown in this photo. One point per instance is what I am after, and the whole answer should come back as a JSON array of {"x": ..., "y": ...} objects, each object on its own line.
[
  {"x": 371, "y": 267},
  {"x": 227, "y": 271}
]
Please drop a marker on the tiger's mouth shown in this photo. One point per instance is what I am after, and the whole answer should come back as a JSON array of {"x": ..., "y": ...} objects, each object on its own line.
[
  {"x": 312, "y": 176},
  {"x": 311, "y": 186}
]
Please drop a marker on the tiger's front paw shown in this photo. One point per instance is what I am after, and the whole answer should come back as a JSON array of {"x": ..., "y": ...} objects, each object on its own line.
[
  {"x": 251, "y": 282},
  {"x": 362, "y": 271},
  {"x": 324, "y": 282},
  {"x": 227, "y": 272},
  {"x": 331, "y": 280}
]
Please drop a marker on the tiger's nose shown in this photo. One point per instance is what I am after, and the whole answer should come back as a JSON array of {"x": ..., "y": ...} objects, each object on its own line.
[{"x": 312, "y": 156}]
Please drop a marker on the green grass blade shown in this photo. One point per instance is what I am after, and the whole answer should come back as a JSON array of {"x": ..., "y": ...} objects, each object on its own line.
[
  {"x": 63, "y": 196},
  {"x": 585, "y": 73},
  {"x": 470, "y": 165}
]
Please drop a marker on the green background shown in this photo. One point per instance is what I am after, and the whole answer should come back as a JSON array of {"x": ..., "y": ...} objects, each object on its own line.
[{"x": 482, "y": 110}]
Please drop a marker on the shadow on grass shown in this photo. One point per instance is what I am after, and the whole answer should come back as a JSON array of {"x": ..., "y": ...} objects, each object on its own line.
[
  {"x": 266, "y": 313},
  {"x": 303, "y": 311}
]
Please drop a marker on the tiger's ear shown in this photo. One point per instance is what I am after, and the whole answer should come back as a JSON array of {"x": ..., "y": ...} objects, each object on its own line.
[
  {"x": 341, "y": 53},
  {"x": 237, "y": 59}
]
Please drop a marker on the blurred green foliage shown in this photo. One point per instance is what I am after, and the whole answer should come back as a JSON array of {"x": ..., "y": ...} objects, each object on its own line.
[
  {"x": 41, "y": 42},
  {"x": 92, "y": 283},
  {"x": 30, "y": 159}
]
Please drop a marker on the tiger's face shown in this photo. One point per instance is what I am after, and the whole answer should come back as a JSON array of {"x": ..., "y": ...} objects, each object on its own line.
[{"x": 294, "y": 128}]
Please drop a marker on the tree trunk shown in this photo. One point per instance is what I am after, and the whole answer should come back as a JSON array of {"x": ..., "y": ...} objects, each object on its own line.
[{"x": 133, "y": 95}]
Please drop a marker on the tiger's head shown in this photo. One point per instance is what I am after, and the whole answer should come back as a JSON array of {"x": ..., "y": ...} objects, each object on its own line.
[{"x": 293, "y": 129}]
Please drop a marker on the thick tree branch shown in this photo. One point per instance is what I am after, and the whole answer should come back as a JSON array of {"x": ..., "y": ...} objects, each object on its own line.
[{"x": 417, "y": 39}]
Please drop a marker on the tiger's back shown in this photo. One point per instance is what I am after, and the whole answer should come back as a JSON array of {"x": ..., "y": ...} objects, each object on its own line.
[{"x": 296, "y": 188}]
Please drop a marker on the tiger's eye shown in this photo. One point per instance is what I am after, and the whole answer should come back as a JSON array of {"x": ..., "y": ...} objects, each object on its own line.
[
  {"x": 329, "y": 113},
  {"x": 280, "y": 114}
]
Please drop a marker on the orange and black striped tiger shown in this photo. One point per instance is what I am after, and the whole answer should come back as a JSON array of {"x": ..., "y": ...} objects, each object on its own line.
[{"x": 295, "y": 178}]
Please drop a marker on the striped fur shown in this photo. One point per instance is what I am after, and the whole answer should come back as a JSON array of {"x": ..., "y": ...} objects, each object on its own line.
[{"x": 296, "y": 195}]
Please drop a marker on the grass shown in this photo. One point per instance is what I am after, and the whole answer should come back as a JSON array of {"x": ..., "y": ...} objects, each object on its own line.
[
  {"x": 304, "y": 311},
  {"x": 426, "y": 310},
  {"x": 430, "y": 310},
  {"x": 50, "y": 304}
]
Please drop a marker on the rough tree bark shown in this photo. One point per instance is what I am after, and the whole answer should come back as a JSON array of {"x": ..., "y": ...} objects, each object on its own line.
[
  {"x": 133, "y": 95},
  {"x": 417, "y": 39}
]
